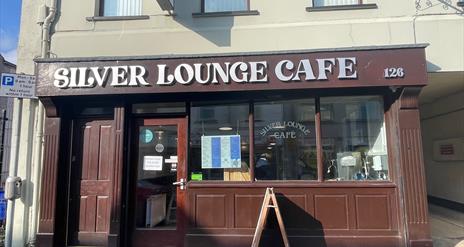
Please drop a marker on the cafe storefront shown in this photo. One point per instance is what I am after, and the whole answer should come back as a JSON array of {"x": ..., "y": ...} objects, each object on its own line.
[{"x": 178, "y": 150}]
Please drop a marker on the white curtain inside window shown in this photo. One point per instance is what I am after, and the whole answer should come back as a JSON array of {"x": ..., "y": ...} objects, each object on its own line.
[
  {"x": 320, "y": 3},
  {"x": 122, "y": 7},
  {"x": 225, "y": 5}
]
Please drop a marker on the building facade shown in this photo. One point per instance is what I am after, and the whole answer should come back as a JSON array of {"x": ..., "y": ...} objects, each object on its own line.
[{"x": 163, "y": 123}]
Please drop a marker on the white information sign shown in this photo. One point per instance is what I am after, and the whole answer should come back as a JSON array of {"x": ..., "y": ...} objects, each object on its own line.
[
  {"x": 152, "y": 163},
  {"x": 172, "y": 159},
  {"x": 220, "y": 152},
  {"x": 17, "y": 86},
  {"x": 348, "y": 161}
]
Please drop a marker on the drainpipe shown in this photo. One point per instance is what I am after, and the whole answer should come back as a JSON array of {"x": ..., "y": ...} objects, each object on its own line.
[
  {"x": 13, "y": 167},
  {"x": 38, "y": 142},
  {"x": 37, "y": 164},
  {"x": 46, "y": 29}
]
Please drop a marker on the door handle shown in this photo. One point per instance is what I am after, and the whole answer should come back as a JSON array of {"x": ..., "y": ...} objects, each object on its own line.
[{"x": 180, "y": 183}]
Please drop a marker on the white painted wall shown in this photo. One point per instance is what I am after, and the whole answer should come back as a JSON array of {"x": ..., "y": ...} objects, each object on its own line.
[{"x": 442, "y": 117}]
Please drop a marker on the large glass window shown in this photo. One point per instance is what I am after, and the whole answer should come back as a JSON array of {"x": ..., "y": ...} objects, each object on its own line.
[
  {"x": 285, "y": 140},
  {"x": 353, "y": 138},
  {"x": 224, "y": 5},
  {"x": 219, "y": 142}
]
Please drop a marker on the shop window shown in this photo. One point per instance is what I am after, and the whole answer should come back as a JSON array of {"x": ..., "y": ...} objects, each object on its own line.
[
  {"x": 354, "y": 138},
  {"x": 285, "y": 140},
  {"x": 224, "y": 5},
  {"x": 219, "y": 142},
  {"x": 323, "y": 3},
  {"x": 121, "y": 7}
]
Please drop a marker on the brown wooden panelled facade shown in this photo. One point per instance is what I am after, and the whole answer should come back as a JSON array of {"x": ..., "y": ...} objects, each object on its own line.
[{"x": 316, "y": 213}]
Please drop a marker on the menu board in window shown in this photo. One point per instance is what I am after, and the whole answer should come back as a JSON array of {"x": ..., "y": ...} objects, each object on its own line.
[{"x": 220, "y": 152}]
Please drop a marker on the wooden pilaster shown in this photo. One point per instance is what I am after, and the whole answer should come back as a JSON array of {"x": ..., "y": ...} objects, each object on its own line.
[
  {"x": 114, "y": 234},
  {"x": 46, "y": 230},
  {"x": 412, "y": 169}
]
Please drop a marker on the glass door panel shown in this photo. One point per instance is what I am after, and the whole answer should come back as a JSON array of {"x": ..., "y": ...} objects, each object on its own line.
[
  {"x": 156, "y": 173},
  {"x": 159, "y": 182}
]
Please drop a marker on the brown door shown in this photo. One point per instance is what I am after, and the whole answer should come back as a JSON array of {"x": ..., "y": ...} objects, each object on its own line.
[
  {"x": 159, "y": 193},
  {"x": 90, "y": 183}
]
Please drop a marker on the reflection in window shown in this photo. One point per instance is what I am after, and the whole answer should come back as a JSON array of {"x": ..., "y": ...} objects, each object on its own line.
[
  {"x": 285, "y": 140},
  {"x": 156, "y": 171},
  {"x": 225, "y": 5},
  {"x": 121, "y": 7},
  {"x": 219, "y": 146},
  {"x": 353, "y": 138}
]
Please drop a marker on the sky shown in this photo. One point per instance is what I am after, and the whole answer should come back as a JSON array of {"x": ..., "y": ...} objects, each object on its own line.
[{"x": 10, "y": 14}]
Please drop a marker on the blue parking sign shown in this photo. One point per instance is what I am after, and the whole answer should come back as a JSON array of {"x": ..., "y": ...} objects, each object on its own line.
[{"x": 8, "y": 80}]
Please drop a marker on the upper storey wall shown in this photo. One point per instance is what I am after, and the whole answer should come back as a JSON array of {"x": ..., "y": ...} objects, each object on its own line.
[{"x": 280, "y": 25}]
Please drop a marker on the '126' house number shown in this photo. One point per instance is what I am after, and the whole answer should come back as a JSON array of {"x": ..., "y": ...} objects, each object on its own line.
[{"x": 394, "y": 72}]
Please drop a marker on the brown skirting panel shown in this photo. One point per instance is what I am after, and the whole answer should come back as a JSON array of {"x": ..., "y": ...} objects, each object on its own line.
[
  {"x": 295, "y": 241},
  {"x": 324, "y": 215}
]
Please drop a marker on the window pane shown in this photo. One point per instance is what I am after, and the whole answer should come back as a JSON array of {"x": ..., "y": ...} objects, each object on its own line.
[
  {"x": 285, "y": 140},
  {"x": 320, "y": 3},
  {"x": 353, "y": 138},
  {"x": 122, "y": 7},
  {"x": 225, "y": 5},
  {"x": 219, "y": 147}
]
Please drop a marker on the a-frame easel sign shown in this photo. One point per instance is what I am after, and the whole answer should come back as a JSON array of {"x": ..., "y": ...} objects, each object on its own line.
[{"x": 269, "y": 201}]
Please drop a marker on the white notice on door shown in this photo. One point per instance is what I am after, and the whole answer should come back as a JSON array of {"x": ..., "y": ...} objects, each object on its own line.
[
  {"x": 152, "y": 163},
  {"x": 172, "y": 159}
]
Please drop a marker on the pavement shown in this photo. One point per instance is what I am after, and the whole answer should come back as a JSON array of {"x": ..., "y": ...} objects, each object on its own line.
[{"x": 447, "y": 227}]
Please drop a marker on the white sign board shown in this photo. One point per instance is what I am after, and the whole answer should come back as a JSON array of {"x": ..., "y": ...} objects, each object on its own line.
[
  {"x": 17, "y": 86},
  {"x": 220, "y": 152},
  {"x": 172, "y": 159},
  {"x": 152, "y": 163},
  {"x": 448, "y": 149}
]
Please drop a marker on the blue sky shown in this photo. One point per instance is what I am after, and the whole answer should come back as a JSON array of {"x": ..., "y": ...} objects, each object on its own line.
[{"x": 10, "y": 14}]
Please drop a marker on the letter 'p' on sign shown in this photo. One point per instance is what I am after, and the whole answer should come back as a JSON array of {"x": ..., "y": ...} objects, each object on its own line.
[{"x": 8, "y": 80}]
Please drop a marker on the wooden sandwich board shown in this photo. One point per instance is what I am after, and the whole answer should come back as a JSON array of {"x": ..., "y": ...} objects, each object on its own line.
[{"x": 269, "y": 201}]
